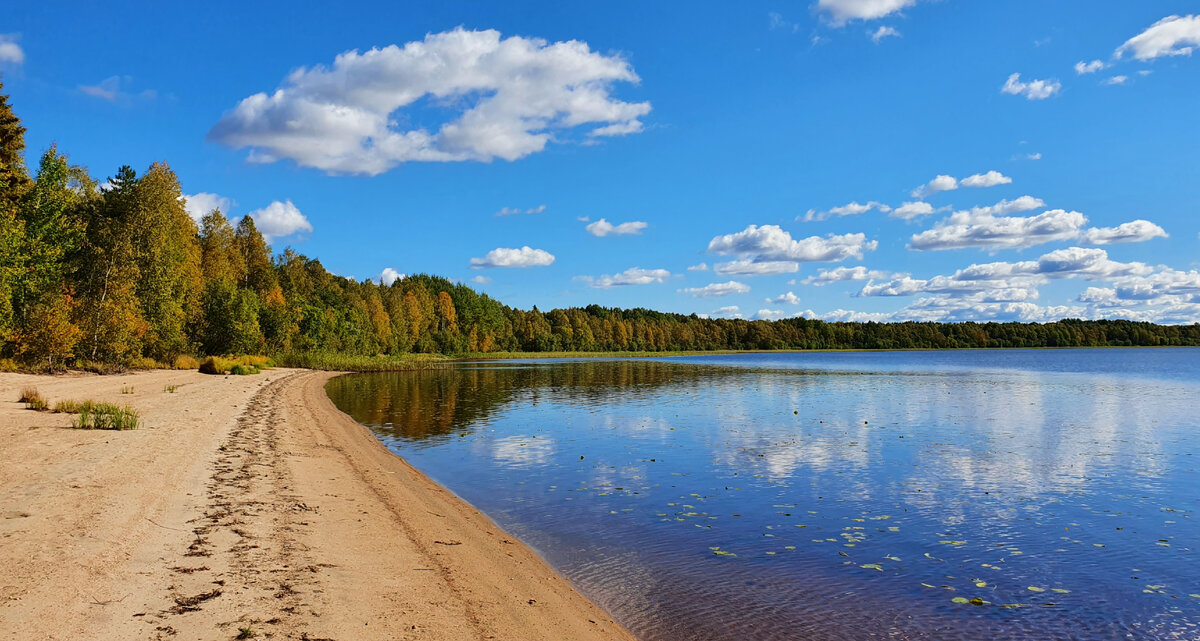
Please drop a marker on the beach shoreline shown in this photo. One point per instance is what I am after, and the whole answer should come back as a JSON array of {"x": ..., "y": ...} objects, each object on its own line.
[{"x": 249, "y": 503}]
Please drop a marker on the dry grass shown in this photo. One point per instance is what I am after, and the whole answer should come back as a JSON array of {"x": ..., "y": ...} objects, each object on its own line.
[
  {"x": 186, "y": 362},
  {"x": 33, "y": 399}
]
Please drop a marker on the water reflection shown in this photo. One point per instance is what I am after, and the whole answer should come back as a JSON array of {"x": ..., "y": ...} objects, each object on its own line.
[{"x": 781, "y": 501}]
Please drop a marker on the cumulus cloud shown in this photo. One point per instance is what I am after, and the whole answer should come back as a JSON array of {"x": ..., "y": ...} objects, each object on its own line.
[
  {"x": 504, "y": 257},
  {"x": 1134, "y": 231},
  {"x": 631, "y": 276},
  {"x": 699, "y": 267},
  {"x": 851, "y": 209},
  {"x": 848, "y": 316},
  {"x": 729, "y": 311},
  {"x": 513, "y": 211},
  {"x": 911, "y": 210},
  {"x": 280, "y": 219},
  {"x": 1171, "y": 36},
  {"x": 788, "y": 299},
  {"x": 1032, "y": 90},
  {"x": 604, "y": 228},
  {"x": 843, "y": 11},
  {"x": 770, "y": 243},
  {"x": 389, "y": 276},
  {"x": 10, "y": 51},
  {"x": 842, "y": 274},
  {"x": 481, "y": 280},
  {"x": 883, "y": 32},
  {"x": 769, "y": 314},
  {"x": 199, "y": 205},
  {"x": 1005, "y": 281},
  {"x": 717, "y": 289},
  {"x": 1082, "y": 67},
  {"x": 985, "y": 230},
  {"x": 990, "y": 179},
  {"x": 512, "y": 95},
  {"x": 747, "y": 267},
  {"x": 941, "y": 182}
]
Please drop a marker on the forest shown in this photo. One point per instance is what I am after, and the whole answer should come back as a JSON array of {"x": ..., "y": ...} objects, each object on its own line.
[{"x": 118, "y": 273}]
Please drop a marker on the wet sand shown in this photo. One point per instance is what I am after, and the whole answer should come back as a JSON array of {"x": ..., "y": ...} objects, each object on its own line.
[{"x": 249, "y": 502}]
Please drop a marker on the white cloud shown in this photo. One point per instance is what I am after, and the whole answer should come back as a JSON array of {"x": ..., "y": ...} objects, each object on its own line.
[
  {"x": 504, "y": 257},
  {"x": 748, "y": 267},
  {"x": 770, "y": 243},
  {"x": 1082, "y": 67},
  {"x": 1171, "y": 36},
  {"x": 1032, "y": 90},
  {"x": 631, "y": 276},
  {"x": 717, "y": 289},
  {"x": 199, "y": 205},
  {"x": 779, "y": 23},
  {"x": 911, "y": 210},
  {"x": 10, "y": 51},
  {"x": 842, "y": 274},
  {"x": 842, "y": 11},
  {"x": 115, "y": 88},
  {"x": 604, "y": 228},
  {"x": 990, "y": 179},
  {"x": 1134, "y": 231},
  {"x": 883, "y": 32},
  {"x": 1115, "y": 80},
  {"x": 513, "y": 211},
  {"x": 848, "y": 316},
  {"x": 1005, "y": 207},
  {"x": 107, "y": 89},
  {"x": 941, "y": 182},
  {"x": 1034, "y": 156},
  {"x": 512, "y": 95},
  {"x": 280, "y": 219},
  {"x": 984, "y": 230},
  {"x": 481, "y": 280},
  {"x": 700, "y": 267},
  {"x": 729, "y": 311},
  {"x": 389, "y": 276},
  {"x": 788, "y": 298},
  {"x": 851, "y": 209},
  {"x": 769, "y": 314}
]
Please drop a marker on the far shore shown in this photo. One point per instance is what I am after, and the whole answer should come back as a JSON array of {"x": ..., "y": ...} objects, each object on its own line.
[{"x": 248, "y": 505}]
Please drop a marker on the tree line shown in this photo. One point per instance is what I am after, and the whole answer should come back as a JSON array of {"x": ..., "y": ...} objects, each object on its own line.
[{"x": 120, "y": 273}]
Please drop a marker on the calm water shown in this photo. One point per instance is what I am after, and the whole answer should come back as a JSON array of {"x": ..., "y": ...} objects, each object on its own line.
[{"x": 833, "y": 496}]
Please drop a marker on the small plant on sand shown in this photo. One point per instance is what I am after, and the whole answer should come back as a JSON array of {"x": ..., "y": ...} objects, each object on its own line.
[
  {"x": 105, "y": 416},
  {"x": 126, "y": 389},
  {"x": 33, "y": 399},
  {"x": 170, "y": 389},
  {"x": 246, "y": 633}
]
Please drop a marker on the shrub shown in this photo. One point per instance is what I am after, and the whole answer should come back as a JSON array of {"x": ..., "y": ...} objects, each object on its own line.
[
  {"x": 8, "y": 365},
  {"x": 215, "y": 365},
  {"x": 243, "y": 370},
  {"x": 186, "y": 362},
  {"x": 256, "y": 361},
  {"x": 105, "y": 416},
  {"x": 143, "y": 363}
]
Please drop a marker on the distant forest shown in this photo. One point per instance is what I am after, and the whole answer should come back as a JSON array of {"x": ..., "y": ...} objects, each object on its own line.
[{"x": 123, "y": 275}]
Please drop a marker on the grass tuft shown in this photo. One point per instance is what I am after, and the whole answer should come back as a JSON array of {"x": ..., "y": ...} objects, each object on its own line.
[
  {"x": 126, "y": 389},
  {"x": 33, "y": 399},
  {"x": 143, "y": 363},
  {"x": 170, "y": 389},
  {"x": 105, "y": 416},
  {"x": 246, "y": 633}
]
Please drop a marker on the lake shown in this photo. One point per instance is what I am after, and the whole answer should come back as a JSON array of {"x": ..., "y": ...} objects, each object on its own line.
[{"x": 1017, "y": 494}]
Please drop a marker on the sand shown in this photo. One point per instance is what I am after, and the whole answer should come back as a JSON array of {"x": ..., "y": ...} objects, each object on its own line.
[{"x": 249, "y": 502}]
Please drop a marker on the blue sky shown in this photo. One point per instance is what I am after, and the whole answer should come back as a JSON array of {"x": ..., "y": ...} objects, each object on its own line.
[{"x": 844, "y": 159}]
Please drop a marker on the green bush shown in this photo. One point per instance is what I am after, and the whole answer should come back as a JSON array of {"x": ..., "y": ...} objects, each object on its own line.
[{"x": 243, "y": 370}]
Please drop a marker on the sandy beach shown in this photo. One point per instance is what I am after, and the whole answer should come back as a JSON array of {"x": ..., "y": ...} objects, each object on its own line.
[{"x": 248, "y": 502}]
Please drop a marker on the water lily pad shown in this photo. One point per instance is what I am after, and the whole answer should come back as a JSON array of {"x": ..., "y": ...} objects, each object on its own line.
[
  {"x": 960, "y": 599},
  {"x": 871, "y": 566},
  {"x": 1034, "y": 588}
]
